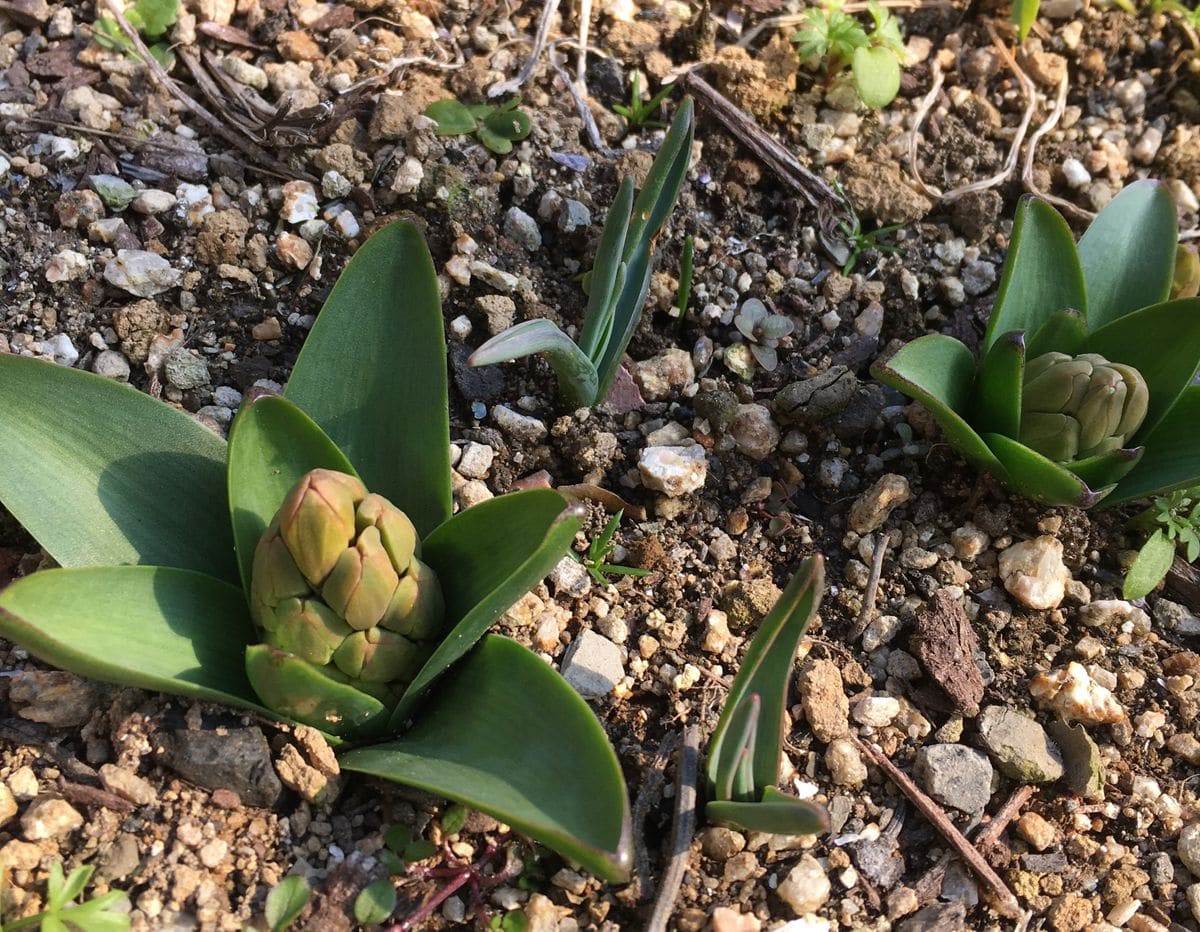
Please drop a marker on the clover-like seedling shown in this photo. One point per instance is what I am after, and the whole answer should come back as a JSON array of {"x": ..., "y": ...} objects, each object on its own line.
[
  {"x": 497, "y": 126},
  {"x": 617, "y": 284},
  {"x": 311, "y": 568},
  {"x": 834, "y": 40},
  {"x": 743, "y": 755},
  {"x": 151, "y": 18},
  {"x": 1084, "y": 391},
  {"x": 1174, "y": 523},
  {"x": 763, "y": 331}
]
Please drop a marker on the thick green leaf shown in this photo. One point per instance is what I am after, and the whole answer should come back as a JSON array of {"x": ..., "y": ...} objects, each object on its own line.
[
  {"x": 373, "y": 374},
  {"x": 1064, "y": 332},
  {"x": 1128, "y": 253},
  {"x": 172, "y": 630},
  {"x": 780, "y": 814},
  {"x": 452, "y": 117},
  {"x": 494, "y": 142},
  {"x": 650, "y": 211},
  {"x": 271, "y": 445},
  {"x": 1172, "y": 458},
  {"x": 505, "y": 734},
  {"x": 512, "y": 125},
  {"x": 101, "y": 474},
  {"x": 375, "y": 903},
  {"x": 1042, "y": 274},
  {"x": 486, "y": 558},
  {"x": 286, "y": 902},
  {"x": 876, "y": 71},
  {"x": 1163, "y": 343},
  {"x": 1024, "y": 12},
  {"x": 939, "y": 372},
  {"x": 765, "y": 673},
  {"x": 997, "y": 401},
  {"x": 297, "y": 690},
  {"x": 1039, "y": 478},
  {"x": 1150, "y": 566},
  {"x": 576, "y": 373},
  {"x": 1106, "y": 468},
  {"x": 607, "y": 277}
]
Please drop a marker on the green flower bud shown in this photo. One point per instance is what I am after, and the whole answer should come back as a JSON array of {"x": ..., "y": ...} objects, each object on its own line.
[
  {"x": 337, "y": 582},
  {"x": 1073, "y": 407}
]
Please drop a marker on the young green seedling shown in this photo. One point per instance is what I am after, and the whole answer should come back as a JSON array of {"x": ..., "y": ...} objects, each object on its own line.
[
  {"x": 151, "y": 18},
  {"x": 638, "y": 111},
  {"x": 62, "y": 913},
  {"x": 497, "y": 126},
  {"x": 310, "y": 569},
  {"x": 1174, "y": 522},
  {"x": 598, "y": 552},
  {"x": 1084, "y": 388},
  {"x": 743, "y": 755},
  {"x": 618, "y": 283},
  {"x": 834, "y": 40}
]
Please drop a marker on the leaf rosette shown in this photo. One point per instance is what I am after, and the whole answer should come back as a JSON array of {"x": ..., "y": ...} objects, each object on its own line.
[{"x": 1083, "y": 391}]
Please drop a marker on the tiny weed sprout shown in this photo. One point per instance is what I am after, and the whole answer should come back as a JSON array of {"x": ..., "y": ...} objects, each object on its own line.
[
  {"x": 859, "y": 241},
  {"x": 763, "y": 331},
  {"x": 638, "y": 112},
  {"x": 1084, "y": 389},
  {"x": 310, "y": 569},
  {"x": 686, "y": 271},
  {"x": 1024, "y": 12},
  {"x": 617, "y": 285},
  {"x": 595, "y": 561},
  {"x": 1174, "y": 523},
  {"x": 743, "y": 755},
  {"x": 286, "y": 902},
  {"x": 832, "y": 40},
  {"x": 497, "y": 126},
  {"x": 151, "y": 18},
  {"x": 62, "y": 913}
]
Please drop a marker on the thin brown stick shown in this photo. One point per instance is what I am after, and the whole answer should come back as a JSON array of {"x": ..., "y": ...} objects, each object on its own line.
[
  {"x": 648, "y": 794},
  {"x": 512, "y": 85},
  {"x": 872, "y": 591},
  {"x": 164, "y": 80},
  {"x": 930, "y": 883},
  {"x": 682, "y": 829},
  {"x": 1006, "y": 903},
  {"x": 770, "y": 151}
]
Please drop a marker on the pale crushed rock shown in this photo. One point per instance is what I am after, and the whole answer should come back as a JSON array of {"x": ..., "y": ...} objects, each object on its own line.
[
  {"x": 1034, "y": 573},
  {"x": 871, "y": 509},
  {"x": 1072, "y": 692},
  {"x": 49, "y": 817},
  {"x": 662, "y": 375},
  {"x": 673, "y": 471},
  {"x": 824, "y": 701},
  {"x": 806, "y": 888}
]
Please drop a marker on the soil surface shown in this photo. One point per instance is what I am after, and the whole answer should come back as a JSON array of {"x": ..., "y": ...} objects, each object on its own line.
[{"x": 189, "y": 255}]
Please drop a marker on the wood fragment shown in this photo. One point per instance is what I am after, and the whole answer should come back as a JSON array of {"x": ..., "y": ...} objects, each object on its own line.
[
  {"x": 94, "y": 796},
  {"x": 216, "y": 126},
  {"x": 945, "y": 643},
  {"x": 649, "y": 793},
  {"x": 1183, "y": 582},
  {"x": 1006, "y": 903},
  {"x": 683, "y": 828},
  {"x": 882, "y": 542},
  {"x": 929, "y": 885}
]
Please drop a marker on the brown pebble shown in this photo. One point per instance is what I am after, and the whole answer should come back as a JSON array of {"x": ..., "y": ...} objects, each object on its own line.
[
  {"x": 269, "y": 329},
  {"x": 225, "y": 799}
]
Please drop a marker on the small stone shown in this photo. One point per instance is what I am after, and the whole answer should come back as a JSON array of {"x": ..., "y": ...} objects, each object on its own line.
[
  {"x": 141, "y": 273},
  {"x": 1070, "y": 913},
  {"x": 674, "y": 471},
  {"x": 1114, "y": 613},
  {"x": 299, "y": 202},
  {"x": 520, "y": 427},
  {"x": 721, "y": 843},
  {"x": 1037, "y": 831},
  {"x": 824, "y": 701},
  {"x": 110, "y": 364},
  {"x": 476, "y": 460},
  {"x": 185, "y": 370},
  {"x": 238, "y": 759},
  {"x": 717, "y": 636},
  {"x": 955, "y": 775},
  {"x": 54, "y": 697},
  {"x": 661, "y": 376},
  {"x": 570, "y": 577},
  {"x": 1075, "y": 175},
  {"x": 1046, "y": 68},
  {"x": 806, "y": 888},
  {"x": 471, "y": 493},
  {"x": 153, "y": 201},
  {"x": 969, "y": 542},
  {"x": 1188, "y": 848},
  {"x": 60, "y": 348},
  {"x": 409, "y": 175},
  {"x": 49, "y": 817},
  {"x": 818, "y": 399},
  {"x": 1072, "y": 692},
  {"x": 1082, "y": 763},
  {"x": 727, "y": 919},
  {"x": 874, "y": 506},
  {"x": 126, "y": 784},
  {"x": 8, "y": 805},
  {"x": 23, "y": 783},
  {"x": 876, "y": 711},
  {"x": 293, "y": 250},
  {"x": 78, "y": 208},
  {"x": 573, "y": 215},
  {"x": 845, "y": 763},
  {"x": 268, "y": 329},
  {"x": 499, "y": 311},
  {"x": 1034, "y": 573},
  {"x": 592, "y": 664},
  {"x": 1020, "y": 746},
  {"x": 754, "y": 432},
  {"x": 213, "y": 853},
  {"x": 1186, "y": 746},
  {"x": 494, "y": 277},
  {"x": 523, "y": 229}
]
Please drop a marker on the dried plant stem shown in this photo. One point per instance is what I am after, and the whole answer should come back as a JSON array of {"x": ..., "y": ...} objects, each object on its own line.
[
  {"x": 1060, "y": 106},
  {"x": 914, "y": 137},
  {"x": 164, "y": 80},
  {"x": 648, "y": 794},
  {"x": 1006, "y": 903},
  {"x": 930, "y": 883},
  {"x": 512, "y": 85},
  {"x": 581, "y": 104},
  {"x": 585, "y": 24},
  {"x": 683, "y": 828},
  {"x": 872, "y": 592}
]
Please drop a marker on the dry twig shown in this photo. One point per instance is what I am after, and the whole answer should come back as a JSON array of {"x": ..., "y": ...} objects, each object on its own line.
[
  {"x": 581, "y": 104},
  {"x": 215, "y": 125},
  {"x": 1006, "y": 903},
  {"x": 1060, "y": 105},
  {"x": 648, "y": 794},
  {"x": 914, "y": 136},
  {"x": 882, "y": 543},
  {"x": 512, "y": 85},
  {"x": 687, "y": 770}
]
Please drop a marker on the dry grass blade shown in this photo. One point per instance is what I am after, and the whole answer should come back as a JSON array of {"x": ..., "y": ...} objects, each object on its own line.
[
  {"x": 1060, "y": 106},
  {"x": 914, "y": 136},
  {"x": 160, "y": 77},
  {"x": 687, "y": 769},
  {"x": 512, "y": 85},
  {"x": 868, "y": 606},
  {"x": 1006, "y": 903}
]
